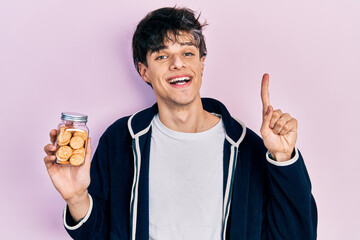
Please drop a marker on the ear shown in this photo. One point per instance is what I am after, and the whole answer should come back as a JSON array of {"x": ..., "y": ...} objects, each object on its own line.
[
  {"x": 143, "y": 70},
  {"x": 202, "y": 64}
]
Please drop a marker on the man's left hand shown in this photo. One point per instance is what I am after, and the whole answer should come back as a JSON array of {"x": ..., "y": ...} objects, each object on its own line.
[{"x": 278, "y": 130}]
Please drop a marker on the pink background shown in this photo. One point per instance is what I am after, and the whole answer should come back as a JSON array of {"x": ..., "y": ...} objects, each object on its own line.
[{"x": 76, "y": 56}]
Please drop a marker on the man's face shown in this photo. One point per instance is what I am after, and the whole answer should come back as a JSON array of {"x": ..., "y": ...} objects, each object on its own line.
[{"x": 175, "y": 72}]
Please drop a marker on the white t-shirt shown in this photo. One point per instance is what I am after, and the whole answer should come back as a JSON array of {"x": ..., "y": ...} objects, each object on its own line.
[{"x": 186, "y": 183}]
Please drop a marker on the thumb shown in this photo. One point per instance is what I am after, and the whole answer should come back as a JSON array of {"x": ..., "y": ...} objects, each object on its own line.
[{"x": 88, "y": 154}]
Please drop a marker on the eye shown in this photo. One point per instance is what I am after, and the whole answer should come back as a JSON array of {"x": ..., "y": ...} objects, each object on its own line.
[
  {"x": 187, "y": 54},
  {"x": 161, "y": 57}
]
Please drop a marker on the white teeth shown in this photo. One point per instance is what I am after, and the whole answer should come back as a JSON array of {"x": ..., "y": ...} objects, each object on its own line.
[
  {"x": 174, "y": 80},
  {"x": 180, "y": 83}
]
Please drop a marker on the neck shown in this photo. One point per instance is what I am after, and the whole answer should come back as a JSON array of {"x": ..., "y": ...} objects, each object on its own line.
[{"x": 191, "y": 118}]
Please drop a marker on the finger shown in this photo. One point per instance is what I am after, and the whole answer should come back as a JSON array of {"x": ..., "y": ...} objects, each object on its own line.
[
  {"x": 290, "y": 126},
  {"x": 88, "y": 153},
  {"x": 50, "y": 149},
  {"x": 49, "y": 160},
  {"x": 280, "y": 123},
  {"x": 275, "y": 117},
  {"x": 53, "y": 134},
  {"x": 265, "y": 127},
  {"x": 265, "y": 92}
]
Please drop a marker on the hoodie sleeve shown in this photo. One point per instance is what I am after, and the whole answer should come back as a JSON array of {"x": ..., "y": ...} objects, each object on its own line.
[
  {"x": 95, "y": 225},
  {"x": 290, "y": 208}
]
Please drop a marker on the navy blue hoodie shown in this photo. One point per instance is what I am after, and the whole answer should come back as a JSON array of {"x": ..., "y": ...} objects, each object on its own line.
[{"x": 261, "y": 200}]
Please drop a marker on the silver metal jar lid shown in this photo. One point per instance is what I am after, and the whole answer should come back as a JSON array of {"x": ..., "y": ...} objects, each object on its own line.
[{"x": 75, "y": 117}]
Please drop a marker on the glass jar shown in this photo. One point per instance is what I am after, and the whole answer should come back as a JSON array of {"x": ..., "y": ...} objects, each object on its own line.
[{"x": 71, "y": 140}]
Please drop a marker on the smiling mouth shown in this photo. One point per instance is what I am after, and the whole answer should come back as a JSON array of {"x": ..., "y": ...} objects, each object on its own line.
[{"x": 180, "y": 80}]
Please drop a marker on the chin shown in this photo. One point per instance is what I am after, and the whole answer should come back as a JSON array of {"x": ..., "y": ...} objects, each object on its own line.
[{"x": 184, "y": 101}]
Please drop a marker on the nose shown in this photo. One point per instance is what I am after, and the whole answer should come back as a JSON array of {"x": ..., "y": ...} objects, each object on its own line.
[{"x": 177, "y": 63}]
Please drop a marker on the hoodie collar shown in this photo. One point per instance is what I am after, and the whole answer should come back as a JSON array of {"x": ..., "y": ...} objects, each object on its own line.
[{"x": 140, "y": 122}]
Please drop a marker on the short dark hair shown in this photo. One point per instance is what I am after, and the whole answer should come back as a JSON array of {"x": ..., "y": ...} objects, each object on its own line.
[{"x": 165, "y": 24}]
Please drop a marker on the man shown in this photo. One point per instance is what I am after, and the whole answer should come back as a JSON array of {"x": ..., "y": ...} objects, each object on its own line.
[{"x": 184, "y": 168}]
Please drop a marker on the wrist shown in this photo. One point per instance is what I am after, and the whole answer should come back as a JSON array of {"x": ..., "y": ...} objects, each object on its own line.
[
  {"x": 78, "y": 199},
  {"x": 79, "y": 206},
  {"x": 281, "y": 157}
]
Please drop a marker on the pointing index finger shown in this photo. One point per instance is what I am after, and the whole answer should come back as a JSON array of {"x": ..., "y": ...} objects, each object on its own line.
[{"x": 265, "y": 92}]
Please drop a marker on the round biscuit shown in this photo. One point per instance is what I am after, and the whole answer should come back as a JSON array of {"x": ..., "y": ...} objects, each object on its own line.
[
  {"x": 77, "y": 159},
  {"x": 63, "y": 138},
  {"x": 61, "y": 144},
  {"x": 77, "y": 142},
  {"x": 64, "y": 153},
  {"x": 79, "y": 151},
  {"x": 81, "y": 133},
  {"x": 58, "y": 159},
  {"x": 63, "y": 162},
  {"x": 62, "y": 129}
]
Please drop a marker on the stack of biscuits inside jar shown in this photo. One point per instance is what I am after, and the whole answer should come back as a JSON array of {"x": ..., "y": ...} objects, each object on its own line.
[{"x": 72, "y": 135}]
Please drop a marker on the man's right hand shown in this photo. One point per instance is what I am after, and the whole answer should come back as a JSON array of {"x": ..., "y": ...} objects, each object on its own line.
[{"x": 70, "y": 181}]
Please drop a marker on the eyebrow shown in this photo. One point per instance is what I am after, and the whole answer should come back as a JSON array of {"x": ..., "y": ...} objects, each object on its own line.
[
  {"x": 187, "y": 44},
  {"x": 165, "y": 47}
]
